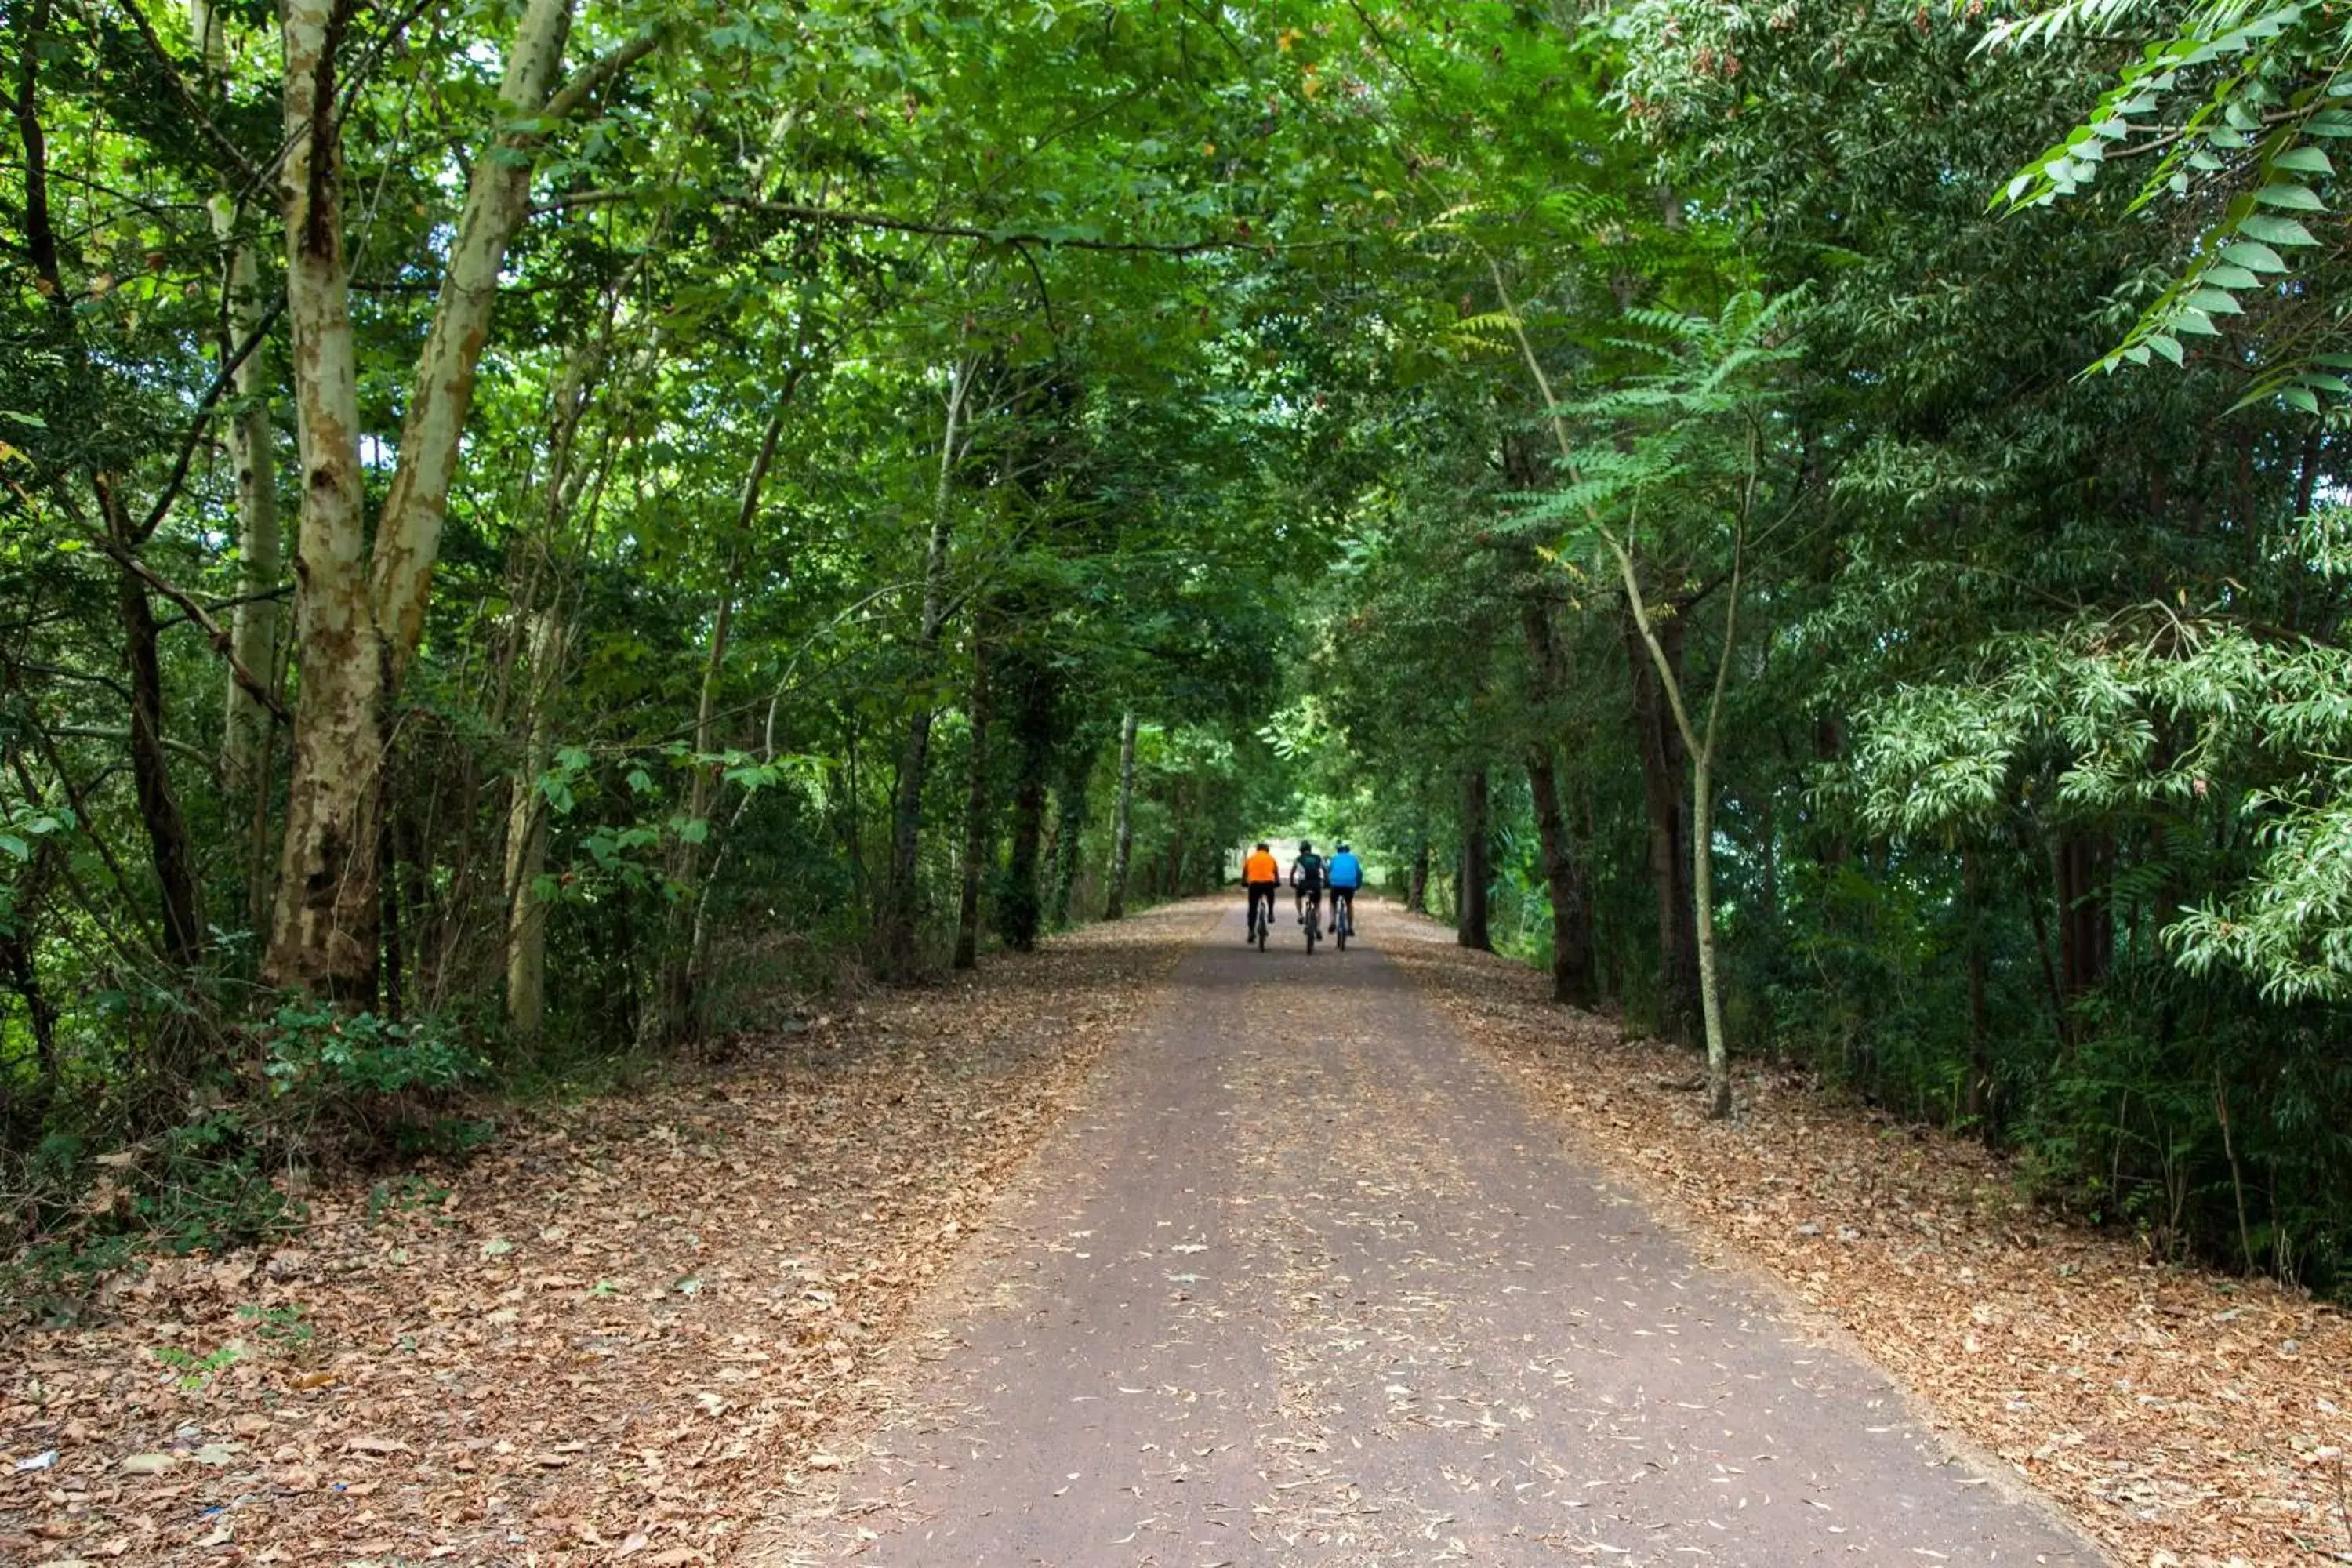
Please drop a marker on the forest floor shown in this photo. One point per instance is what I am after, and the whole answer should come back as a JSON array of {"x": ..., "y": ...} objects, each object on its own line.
[
  {"x": 617, "y": 1335},
  {"x": 645, "y": 1328}
]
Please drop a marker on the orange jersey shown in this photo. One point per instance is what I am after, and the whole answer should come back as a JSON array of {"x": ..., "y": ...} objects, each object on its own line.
[{"x": 1261, "y": 867}]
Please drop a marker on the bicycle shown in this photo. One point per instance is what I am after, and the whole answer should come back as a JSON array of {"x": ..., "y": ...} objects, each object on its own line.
[
  {"x": 1314, "y": 923},
  {"x": 1343, "y": 916},
  {"x": 1259, "y": 919}
]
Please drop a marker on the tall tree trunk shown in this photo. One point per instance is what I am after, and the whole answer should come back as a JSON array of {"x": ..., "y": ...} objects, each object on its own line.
[
  {"x": 498, "y": 198},
  {"x": 975, "y": 806},
  {"x": 676, "y": 993},
  {"x": 1665, "y": 799},
  {"x": 1020, "y": 912},
  {"x": 357, "y": 625},
  {"x": 1830, "y": 842},
  {"x": 1122, "y": 831},
  {"x": 853, "y": 812},
  {"x": 526, "y": 857},
  {"x": 2086, "y": 931},
  {"x": 1416, "y": 887},
  {"x": 1699, "y": 738},
  {"x": 1069, "y": 829},
  {"x": 246, "y": 736},
  {"x": 19, "y": 941},
  {"x": 1572, "y": 981},
  {"x": 1980, "y": 1079},
  {"x": 1470, "y": 926},
  {"x": 1571, "y": 903},
  {"x": 394, "y": 947},
  {"x": 1034, "y": 688},
  {"x": 897, "y": 935},
  {"x": 1710, "y": 979},
  {"x": 176, "y": 886}
]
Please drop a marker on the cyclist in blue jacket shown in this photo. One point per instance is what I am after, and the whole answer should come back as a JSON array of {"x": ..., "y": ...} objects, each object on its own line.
[{"x": 1344, "y": 873}]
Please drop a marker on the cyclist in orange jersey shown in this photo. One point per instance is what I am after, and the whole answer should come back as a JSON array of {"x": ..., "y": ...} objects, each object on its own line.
[{"x": 1262, "y": 874}]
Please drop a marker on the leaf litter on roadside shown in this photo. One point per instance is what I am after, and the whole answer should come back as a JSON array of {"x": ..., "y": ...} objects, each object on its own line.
[
  {"x": 613, "y": 1336},
  {"x": 2184, "y": 1419}
]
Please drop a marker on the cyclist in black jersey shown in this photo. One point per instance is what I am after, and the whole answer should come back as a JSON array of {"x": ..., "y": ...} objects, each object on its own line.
[{"x": 1307, "y": 879}]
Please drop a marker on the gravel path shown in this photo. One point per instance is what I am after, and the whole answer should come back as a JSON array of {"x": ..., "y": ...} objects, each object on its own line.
[{"x": 1304, "y": 1282}]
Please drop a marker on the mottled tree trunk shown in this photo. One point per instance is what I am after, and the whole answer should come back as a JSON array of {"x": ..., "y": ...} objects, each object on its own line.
[
  {"x": 1416, "y": 887},
  {"x": 1470, "y": 923},
  {"x": 1122, "y": 832},
  {"x": 358, "y": 625},
  {"x": 324, "y": 934}
]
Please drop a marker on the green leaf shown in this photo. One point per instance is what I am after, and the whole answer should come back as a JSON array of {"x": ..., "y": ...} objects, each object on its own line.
[
  {"x": 2255, "y": 256},
  {"x": 2276, "y": 230},
  {"x": 2295, "y": 198},
  {"x": 695, "y": 830},
  {"x": 2216, "y": 302},
  {"x": 2167, "y": 345},
  {"x": 2189, "y": 320},
  {"x": 2221, "y": 275},
  {"x": 16, "y": 846},
  {"x": 2304, "y": 160}
]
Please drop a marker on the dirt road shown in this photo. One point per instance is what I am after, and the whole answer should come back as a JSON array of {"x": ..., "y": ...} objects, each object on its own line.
[{"x": 1304, "y": 1282}]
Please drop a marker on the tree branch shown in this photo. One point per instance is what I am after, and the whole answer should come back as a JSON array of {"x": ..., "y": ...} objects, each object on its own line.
[
  {"x": 223, "y": 644},
  {"x": 595, "y": 74},
  {"x": 232, "y": 158},
  {"x": 204, "y": 407}
]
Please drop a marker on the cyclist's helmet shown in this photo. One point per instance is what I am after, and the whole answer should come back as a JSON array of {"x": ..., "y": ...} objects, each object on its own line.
[
  {"x": 1342, "y": 850},
  {"x": 1261, "y": 843},
  {"x": 1304, "y": 847}
]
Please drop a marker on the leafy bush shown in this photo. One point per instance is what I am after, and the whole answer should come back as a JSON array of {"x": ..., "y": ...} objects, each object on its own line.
[{"x": 316, "y": 1055}]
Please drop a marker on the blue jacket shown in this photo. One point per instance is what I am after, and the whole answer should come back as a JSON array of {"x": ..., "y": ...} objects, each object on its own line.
[{"x": 1345, "y": 870}]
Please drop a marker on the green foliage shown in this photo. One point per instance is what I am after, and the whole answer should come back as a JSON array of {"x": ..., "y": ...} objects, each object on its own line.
[
  {"x": 1175, "y": 362},
  {"x": 318, "y": 1056},
  {"x": 2234, "y": 105},
  {"x": 194, "y": 1370}
]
